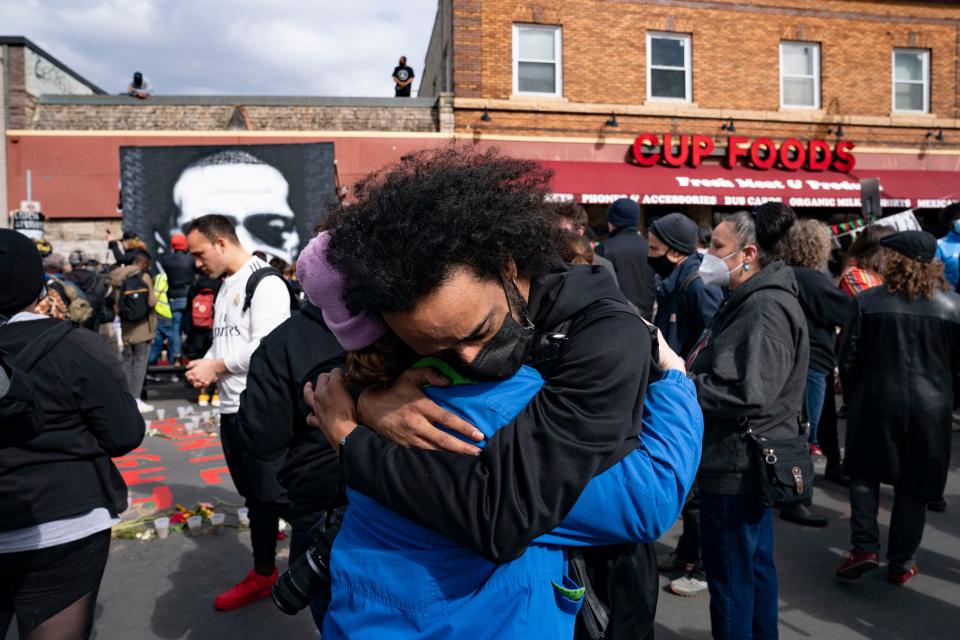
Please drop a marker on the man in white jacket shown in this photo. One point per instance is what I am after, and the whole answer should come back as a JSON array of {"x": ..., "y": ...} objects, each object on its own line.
[{"x": 237, "y": 331}]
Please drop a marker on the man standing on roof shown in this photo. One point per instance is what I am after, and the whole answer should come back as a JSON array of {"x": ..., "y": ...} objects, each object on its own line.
[{"x": 240, "y": 321}]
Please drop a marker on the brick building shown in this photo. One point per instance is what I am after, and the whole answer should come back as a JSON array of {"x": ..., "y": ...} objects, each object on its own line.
[{"x": 593, "y": 75}]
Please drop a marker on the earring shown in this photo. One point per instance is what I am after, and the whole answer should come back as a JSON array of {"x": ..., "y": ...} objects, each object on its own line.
[{"x": 746, "y": 266}]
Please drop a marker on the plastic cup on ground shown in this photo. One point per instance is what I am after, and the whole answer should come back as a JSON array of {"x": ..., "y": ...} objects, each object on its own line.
[
  {"x": 161, "y": 413},
  {"x": 217, "y": 521},
  {"x": 194, "y": 524},
  {"x": 162, "y": 525},
  {"x": 181, "y": 411},
  {"x": 243, "y": 515}
]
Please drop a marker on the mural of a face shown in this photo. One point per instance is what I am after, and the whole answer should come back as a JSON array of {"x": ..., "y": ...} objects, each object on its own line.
[{"x": 254, "y": 194}]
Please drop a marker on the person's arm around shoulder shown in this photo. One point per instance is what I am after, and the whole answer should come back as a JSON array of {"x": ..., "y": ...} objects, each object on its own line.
[{"x": 101, "y": 392}]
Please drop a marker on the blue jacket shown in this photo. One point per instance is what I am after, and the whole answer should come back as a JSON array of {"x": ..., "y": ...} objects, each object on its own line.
[
  {"x": 395, "y": 579},
  {"x": 948, "y": 252},
  {"x": 683, "y": 315}
]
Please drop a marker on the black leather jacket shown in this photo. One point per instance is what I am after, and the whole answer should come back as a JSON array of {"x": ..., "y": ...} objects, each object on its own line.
[{"x": 899, "y": 364}]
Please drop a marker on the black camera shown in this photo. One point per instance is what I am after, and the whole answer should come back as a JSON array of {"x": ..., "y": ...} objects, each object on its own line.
[{"x": 308, "y": 577}]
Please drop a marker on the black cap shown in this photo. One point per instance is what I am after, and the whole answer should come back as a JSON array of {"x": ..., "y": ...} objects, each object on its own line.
[
  {"x": 678, "y": 232},
  {"x": 22, "y": 269},
  {"x": 130, "y": 235},
  {"x": 623, "y": 213},
  {"x": 918, "y": 245}
]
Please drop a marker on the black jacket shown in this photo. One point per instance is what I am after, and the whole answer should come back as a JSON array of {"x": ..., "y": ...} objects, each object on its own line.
[
  {"x": 122, "y": 257},
  {"x": 627, "y": 250},
  {"x": 532, "y": 471},
  {"x": 89, "y": 416},
  {"x": 683, "y": 312},
  {"x": 180, "y": 270},
  {"x": 754, "y": 365},
  {"x": 272, "y": 417},
  {"x": 899, "y": 364},
  {"x": 826, "y": 308}
]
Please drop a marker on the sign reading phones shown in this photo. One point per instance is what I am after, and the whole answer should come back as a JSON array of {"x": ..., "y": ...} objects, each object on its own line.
[{"x": 760, "y": 153}]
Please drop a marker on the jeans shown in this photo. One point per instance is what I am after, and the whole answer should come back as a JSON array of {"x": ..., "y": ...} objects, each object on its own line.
[
  {"x": 169, "y": 328},
  {"x": 906, "y": 523},
  {"x": 737, "y": 548},
  {"x": 814, "y": 395},
  {"x": 134, "y": 366}
]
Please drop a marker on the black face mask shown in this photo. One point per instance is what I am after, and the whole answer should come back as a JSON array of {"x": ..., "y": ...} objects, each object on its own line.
[
  {"x": 507, "y": 350},
  {"x": 662, "y": 265}
]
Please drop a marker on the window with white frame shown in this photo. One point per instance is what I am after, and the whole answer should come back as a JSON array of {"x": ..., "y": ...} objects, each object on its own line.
[
  {"x": 537, "y": 60},
  {"x": 669, "y": 67},
  {"x": 911, "y": 80},
  {"x": 800, "y": 75}
]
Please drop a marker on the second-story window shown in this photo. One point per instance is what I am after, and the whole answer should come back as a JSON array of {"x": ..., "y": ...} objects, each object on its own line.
[
  {"x": 668, "y": 67},
  {"x": 911, "y": 80},
  {"x": 800, "y": 75},
  {"x": 537, "y": 63}
]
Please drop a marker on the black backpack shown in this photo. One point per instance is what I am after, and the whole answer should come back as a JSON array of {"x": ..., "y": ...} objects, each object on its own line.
[
  {"x": 134, "y": 305},
  {"x": 257, "y": 277},
  {"x": 21, "y": 416}
]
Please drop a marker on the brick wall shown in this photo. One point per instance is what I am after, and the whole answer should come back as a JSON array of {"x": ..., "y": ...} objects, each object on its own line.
[
  {"x": 20, "y": 108},
  {"x": 735, "y": 62},
  {"x": 206, "y": 117},
  {"x": 86, "y": 235}
]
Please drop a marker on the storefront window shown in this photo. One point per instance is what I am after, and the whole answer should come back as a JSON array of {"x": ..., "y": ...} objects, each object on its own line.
[
  {"x": 800, "y": 75},
  {"x": 668, "y": 67},
  {"x": 537, "y": 67},
  {"x": 911, "y": 80}
]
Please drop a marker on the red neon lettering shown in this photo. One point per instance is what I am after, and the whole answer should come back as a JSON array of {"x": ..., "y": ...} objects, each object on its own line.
[
  {"x": 681, "y": 158},
  {"x": 642, "y": 159},
  {"x": 759, "y": 161},
  {"x": 844, "y": 162},
  {"x": 800, "y": 154},
  {"x": 816, "y": 161},
  {"x": 734, "y": 150},
  {"x": 702, "y": 147}
]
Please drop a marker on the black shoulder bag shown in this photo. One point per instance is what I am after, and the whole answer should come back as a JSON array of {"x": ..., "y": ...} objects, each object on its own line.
[{"x": 784, "y": 467}]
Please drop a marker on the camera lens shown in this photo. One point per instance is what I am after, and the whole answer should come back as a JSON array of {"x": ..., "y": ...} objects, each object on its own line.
[{"x": 306, "y": 577}]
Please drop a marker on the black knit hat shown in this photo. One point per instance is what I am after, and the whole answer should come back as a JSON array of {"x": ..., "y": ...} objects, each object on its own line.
[
  {"x": 918, "y": 245},
  {"x": 623, "y": 213},
  {"x": 678, "y": 232},
  {"x": 22, "y": 272}
]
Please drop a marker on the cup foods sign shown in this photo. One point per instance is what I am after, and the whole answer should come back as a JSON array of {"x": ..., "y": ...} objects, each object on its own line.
[{"x": 760, "y": 153}]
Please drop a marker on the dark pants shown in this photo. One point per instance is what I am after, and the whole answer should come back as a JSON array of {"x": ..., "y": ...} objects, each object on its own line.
[
  {"x": 257, "y": 483},
  {"x": 134, "y": 366},
  {"x": 737, "y": 547},
  {"x": 625, "y": 578},
  {"x": 688, "y": 546},
  {"x": 814, "y": 395},
  {"x": 906, "y": 523},
  {"x": 827, "y": 429}
]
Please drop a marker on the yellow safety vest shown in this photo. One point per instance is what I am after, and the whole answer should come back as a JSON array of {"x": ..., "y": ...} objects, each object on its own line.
[{"x": 160, "y": 287}]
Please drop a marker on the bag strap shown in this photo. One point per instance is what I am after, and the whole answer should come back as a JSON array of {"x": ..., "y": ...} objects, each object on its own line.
[
  {"x": 594, "y": 614},
  {"x": 254, "y": 281},
  {"x": 41, "y": 346}
]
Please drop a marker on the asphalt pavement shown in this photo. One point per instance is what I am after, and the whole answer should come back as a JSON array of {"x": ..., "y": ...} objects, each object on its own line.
[{"x": 165, "y": 588}]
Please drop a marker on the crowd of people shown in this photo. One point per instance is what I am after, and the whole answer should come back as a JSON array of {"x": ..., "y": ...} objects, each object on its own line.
[{"x": 457, "y": 387}]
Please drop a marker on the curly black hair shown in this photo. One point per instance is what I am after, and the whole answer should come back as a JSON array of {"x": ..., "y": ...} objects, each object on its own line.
[{"x": 416, "y": 221}]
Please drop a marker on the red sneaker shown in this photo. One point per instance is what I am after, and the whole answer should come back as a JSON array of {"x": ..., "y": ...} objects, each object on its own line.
[
  {"x": 900, "y": 579},
  {"x": 252, "y": 588},
  {"x": 857, "y": 563},
  {"x": 815, "y": 450}
]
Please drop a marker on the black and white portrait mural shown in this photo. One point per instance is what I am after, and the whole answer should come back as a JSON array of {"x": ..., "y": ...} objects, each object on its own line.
[{"x": 275, "y": 193}]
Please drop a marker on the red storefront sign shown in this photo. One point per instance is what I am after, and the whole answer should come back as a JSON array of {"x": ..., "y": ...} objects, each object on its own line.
[{"x": 760, "y": 153}]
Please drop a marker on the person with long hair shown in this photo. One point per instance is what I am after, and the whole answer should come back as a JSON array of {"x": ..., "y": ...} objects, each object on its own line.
[
  {"x": 861, "y": 270},
  {"x": 750, "y": 368},
  {"x": 899, "y": 364}
]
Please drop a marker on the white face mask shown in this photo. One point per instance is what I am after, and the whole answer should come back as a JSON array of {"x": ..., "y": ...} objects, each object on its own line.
[{"x": 713, "y": 270}]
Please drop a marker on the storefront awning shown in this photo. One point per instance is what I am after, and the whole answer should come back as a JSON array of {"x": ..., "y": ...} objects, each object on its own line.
[{"x": 715, "y": 185}]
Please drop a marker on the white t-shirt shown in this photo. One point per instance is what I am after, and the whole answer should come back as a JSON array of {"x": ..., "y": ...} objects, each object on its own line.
[{"x": 237, "y": 333}]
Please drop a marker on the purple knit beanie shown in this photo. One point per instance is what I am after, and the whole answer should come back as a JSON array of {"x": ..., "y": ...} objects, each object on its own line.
[{"x": 324, "y": 286}]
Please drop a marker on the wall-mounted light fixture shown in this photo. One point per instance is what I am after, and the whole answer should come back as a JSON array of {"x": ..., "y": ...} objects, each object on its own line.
[
  {"x": 729, "y": 126},
  {"x": 612, "y": 121},
  {"x": 936, "y": 136},
  {"x": 837, "y": 131},
  {"x": 486, "y": 116}
]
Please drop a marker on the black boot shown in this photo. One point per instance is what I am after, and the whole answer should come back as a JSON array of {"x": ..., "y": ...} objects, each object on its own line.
[{"x": 799, "y": 513}]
